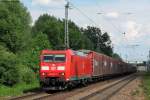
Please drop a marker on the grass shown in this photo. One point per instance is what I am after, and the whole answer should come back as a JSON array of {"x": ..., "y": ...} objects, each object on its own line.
[
  {"x": 136, "y": 92},
  {"x": 18, "y": 89},
  {"x": 146, "y": 85}
]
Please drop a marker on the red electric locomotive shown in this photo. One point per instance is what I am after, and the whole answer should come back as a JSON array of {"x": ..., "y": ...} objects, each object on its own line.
[{"x": 62, "y": 69}]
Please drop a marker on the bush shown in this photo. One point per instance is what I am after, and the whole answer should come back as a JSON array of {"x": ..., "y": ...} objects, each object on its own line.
[
  {"x": 27, "y": 74},
  {"x": 13, "y": 70},
  {"x": 9, "y": 73}
]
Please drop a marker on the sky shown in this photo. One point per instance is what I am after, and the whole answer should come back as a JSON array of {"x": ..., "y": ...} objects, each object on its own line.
[{"x": 113, "y": 16}]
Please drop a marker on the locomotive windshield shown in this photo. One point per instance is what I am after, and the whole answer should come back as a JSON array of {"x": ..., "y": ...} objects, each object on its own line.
[{"x": 54, "y": 58}]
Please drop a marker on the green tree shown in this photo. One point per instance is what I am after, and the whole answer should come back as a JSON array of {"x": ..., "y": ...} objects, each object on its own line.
[
  {"x": 101, "y": 41},
  {"x": 94, "y": 34},
  {"x": 15, "y": 23},
  {"x": 116, "y": 56},
  {"x": 86, "y": 43},
  {"x": 15, "y": 41},
  {"x": 76, "y": 38},
  {"x": 9, "y": 73},
  {"x": 105, "y": 45},
  {"x": 52, "y": 27}
]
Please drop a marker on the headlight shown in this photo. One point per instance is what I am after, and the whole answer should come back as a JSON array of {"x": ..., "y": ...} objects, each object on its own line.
[
  {"x": 45, "y": 68},
  {"x": 60, "y": 67}
]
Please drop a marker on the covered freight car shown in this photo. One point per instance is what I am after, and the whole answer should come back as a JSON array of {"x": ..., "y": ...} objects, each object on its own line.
[{"x": 105, "y": 66}]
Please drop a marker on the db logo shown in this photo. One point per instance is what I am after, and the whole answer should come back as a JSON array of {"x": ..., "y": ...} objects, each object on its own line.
[{"x": 53, "y": 67}]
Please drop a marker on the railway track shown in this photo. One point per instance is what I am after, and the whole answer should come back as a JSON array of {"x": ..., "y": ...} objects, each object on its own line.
[
  {"x": 104, "y": 92},
  {"x": 98, "y": 91},
  {"x": 30, "y": 96},
  {"x": 109, "y": 91}
]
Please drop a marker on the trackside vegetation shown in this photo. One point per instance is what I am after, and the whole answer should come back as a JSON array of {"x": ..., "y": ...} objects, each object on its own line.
[
  {"x": 21, "y": 42},
  {"x": 146, "y": 85},
  {"x": 17, "y": 89}
]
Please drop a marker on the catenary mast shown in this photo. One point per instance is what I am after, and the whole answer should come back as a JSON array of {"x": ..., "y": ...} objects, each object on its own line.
[{"x": 66, "y": 26}]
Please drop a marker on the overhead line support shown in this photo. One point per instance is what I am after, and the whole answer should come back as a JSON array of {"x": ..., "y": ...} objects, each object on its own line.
[{"x": 66, "y": 26}]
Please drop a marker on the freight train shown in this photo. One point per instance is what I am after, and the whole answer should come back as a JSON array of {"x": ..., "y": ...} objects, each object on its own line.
[{"x": 62, "y": 69}]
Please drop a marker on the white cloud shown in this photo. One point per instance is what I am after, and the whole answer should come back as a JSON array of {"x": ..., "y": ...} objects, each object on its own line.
[
  {"x": 47, "y": 2},
  {"x": 146, "y": 29},
  {"x": 112, "y": 15},
  {"x": 133, "y": 30},
  {"x": 42, "y": 2}
]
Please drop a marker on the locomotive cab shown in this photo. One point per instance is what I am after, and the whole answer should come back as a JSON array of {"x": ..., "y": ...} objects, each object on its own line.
[
  {"x": 52, "y": 69},
  {"x": 52, "y": 65}
]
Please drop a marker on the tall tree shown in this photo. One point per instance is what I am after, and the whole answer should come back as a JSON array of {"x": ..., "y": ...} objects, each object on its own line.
[
  {"x": 101, "y": 41},
  {"x": 105, "y": 45},
  {"x": 9, "y": 74},
  {"x": 116, "y": 56},
  {"x": 15, "y": 23},
  {"x": 76, "y": 38},
  {"x": 94, "y": 34},
  {"x": 50, "y": 26}
]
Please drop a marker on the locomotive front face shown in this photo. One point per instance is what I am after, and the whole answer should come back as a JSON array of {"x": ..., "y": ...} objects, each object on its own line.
[
  {"x": 52, "y": 70},
  {"x": 53, "y": 65}
]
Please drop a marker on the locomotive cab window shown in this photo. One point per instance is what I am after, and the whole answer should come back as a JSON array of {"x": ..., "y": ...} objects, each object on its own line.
[
  {"x": 60, "y": 58},
  {"x": 48, "y": 58},
  {"x": 54, "y": 58}
]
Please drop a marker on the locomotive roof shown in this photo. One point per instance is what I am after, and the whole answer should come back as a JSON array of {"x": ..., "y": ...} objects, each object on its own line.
[{"x": 82, "y": 52}]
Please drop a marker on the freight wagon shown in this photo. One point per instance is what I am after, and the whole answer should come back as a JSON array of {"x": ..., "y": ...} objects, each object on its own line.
[{"x": 61, "y": 69}]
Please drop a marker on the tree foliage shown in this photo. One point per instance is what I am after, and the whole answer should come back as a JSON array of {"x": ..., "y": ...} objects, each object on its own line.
[
  {"x": 116, "y": 56},
  {"x": 76, "y": 38},
  {"x": 50, "y": 26},
  {"x": 101, "y": 41},
  {"x": 14, "y": 25},
  {"x": 9, "y": 73},
  {"x": 14, "y": 35}
]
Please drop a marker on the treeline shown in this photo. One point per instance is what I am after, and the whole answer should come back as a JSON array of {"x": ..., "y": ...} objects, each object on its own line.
[{"x": 21, "y": 43}]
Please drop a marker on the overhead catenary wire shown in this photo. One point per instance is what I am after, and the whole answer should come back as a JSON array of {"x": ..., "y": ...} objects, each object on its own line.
[
  {"x": 107, "y": 19},
  {"x": 90, "y": 19},
  {"x": 112, "y": 24},
  {"x": 85, "y": 15}
]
